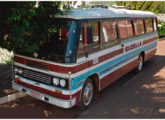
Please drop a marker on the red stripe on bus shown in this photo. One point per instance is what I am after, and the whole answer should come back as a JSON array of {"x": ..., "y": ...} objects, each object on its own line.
[
  {"x": 55, "y": 94},
  {"x": 63, "y": 69},
  {"x": 20, "y": 59},
  {"x": 112, "y": 77},
  {"x": 100, "y": 59},
  {"x": 149, "y": 40},
  {"x": 150, "y": 54}
]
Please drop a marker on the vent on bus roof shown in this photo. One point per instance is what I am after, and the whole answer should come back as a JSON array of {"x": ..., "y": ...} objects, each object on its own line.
[{"x": 38, "y": 65}]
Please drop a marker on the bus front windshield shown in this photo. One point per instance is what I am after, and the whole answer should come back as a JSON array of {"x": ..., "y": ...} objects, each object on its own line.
[{"x": 54, "y": 49}]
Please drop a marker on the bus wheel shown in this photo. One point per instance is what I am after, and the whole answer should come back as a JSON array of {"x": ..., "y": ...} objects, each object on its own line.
[
  {"x": 140, "y": 63},
  {"x": 87, "y": 94}
]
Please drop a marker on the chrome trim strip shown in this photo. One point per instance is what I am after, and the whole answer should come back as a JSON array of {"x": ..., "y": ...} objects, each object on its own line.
[
  {"x": 52, "y": 100},
  {"x": 48, "y": 87}
]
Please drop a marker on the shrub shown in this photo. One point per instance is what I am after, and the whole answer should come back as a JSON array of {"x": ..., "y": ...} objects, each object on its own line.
[
  {"x": 161, "y": 30},
  {"x": 24, "y": 28}
]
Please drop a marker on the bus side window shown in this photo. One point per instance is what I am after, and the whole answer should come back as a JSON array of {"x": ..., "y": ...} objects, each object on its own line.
[
  {"x": 149, "y": 25},
  {"x": 139, "y": 27},
  {"x": 93, "y": 32},
  {"x": 109, "y": 33},
  {"x": 129, "y": 28},
  {"x": 83, "y": 46},
  {"x": 89, "y": 38},
  {"x": 125, "y": 28}
]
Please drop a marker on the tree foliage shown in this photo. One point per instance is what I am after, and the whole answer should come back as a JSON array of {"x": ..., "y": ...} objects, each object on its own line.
[
  {"x": 162, "y": 30},
  {"x": 23, "y": 26},
  {"x": 153, "y": 6}
]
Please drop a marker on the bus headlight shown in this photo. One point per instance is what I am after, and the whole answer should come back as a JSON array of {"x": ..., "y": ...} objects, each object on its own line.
[
  {"x": 56, "y": 81},
  {"x": 16, "y": 70},
  {"x": 20, "y": 71},
  {"x": 62, "y": 83}
]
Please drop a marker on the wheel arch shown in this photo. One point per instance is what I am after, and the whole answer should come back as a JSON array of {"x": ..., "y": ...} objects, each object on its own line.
[{"x": 96, "y": 84}]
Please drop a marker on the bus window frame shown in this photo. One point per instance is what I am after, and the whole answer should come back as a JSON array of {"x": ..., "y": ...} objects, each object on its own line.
[
  {"x": 132, "y": 22},
  {"x": 144, "y": 26}
]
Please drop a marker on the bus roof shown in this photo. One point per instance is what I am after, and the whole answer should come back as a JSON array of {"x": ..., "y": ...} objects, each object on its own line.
[{"x": 94, "y": 13}]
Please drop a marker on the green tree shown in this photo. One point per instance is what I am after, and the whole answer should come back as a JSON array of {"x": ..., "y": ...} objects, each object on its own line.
[
  {"x": 23, "y": 26},
  {"x": 153, "y": 6}
]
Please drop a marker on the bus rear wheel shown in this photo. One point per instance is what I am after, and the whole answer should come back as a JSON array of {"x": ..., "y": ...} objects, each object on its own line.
[
  {"x": 140, "y": 63},
  {"x": 87, "y": 94}
]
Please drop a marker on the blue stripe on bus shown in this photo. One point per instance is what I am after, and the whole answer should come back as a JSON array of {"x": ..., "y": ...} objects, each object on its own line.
[
  {"x": 106, "y": 65},
  {"x": 116, "y": 65}
]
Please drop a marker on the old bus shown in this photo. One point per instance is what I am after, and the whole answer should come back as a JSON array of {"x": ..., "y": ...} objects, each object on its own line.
[{"x": 87, "y": 50}]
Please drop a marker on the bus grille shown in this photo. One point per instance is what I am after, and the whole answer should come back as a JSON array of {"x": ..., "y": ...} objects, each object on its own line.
[{"x": 37, "y": 76}]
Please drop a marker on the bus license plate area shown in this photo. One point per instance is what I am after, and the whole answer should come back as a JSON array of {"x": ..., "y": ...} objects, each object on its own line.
[{"x": 34, "y": 94}]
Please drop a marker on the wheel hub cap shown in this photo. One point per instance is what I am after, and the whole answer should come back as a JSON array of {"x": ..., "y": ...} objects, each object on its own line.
[
  {"x": 140, "y": 63},
  {"x": 88, "y": 94}
]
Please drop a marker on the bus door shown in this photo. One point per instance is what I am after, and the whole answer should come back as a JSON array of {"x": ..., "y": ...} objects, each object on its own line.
[
  {"x": 89, "y": 43},
  {"x": 82, "y": 53}
]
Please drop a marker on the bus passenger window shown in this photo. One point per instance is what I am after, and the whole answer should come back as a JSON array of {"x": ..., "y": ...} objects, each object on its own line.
[
  {"x": 129, "y": 28},
  {"x": 155, "y": 25},
  {"x": 83, "y": 46},
  {"x": 89, "y": 38},
  {"x": 149, "y": 25},
  {"x": 139, "y": 27},
  {"x": 109, "y": 34},
  {"x": 125, "y": 28}
]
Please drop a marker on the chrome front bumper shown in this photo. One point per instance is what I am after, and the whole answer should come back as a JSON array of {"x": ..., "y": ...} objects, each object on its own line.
[{"x": 44, "y": 97}]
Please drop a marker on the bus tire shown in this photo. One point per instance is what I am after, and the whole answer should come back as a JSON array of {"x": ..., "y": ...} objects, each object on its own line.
[
  {"x": 87, "y": 94},
  {"x": 139, "y": 63}
]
